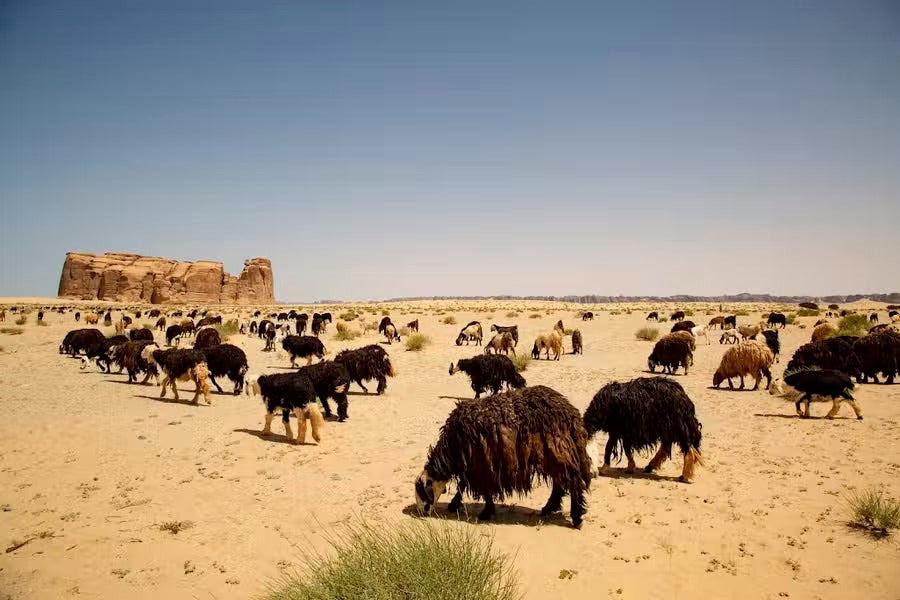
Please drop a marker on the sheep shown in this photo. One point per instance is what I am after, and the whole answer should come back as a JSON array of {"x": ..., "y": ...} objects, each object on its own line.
[
  {"x": 290, "y": 392},
  {"x": 3, "y": 316},
  {"x": 820, "y": 322},
  {"x": 91, "y": 319},
  {"x": 99, "y": 352},
  {"x": 877, "y": 352},
  {"x": 729, "y": 320},
  {"x": 894, "y": 316},
  {"x": 588, "y": 316},
  {"x": 496, "y": 446},
  {"x": 154, "y": 313},
  {"x": 873, "y": 318},
  {"x": 282, "y": 316},
  {"x": 318, "y": 326},
  {"x": 385, "y": 321},
  {"x": 678, "y": 315},
  {"x": 831, "y": 353},
  {"x": 207, "y": 338},
  {"x": 40, "y": 316},
  {"x": 79, "y": 340},
  {"x": 324, "y": 318},
  {"x": 776, "y": 319},
  {"x": 642, "y": 413},
  {"x": 489, "y": 372},
  {"x": 173, "y": 333},
  {"x": 208, "y": 321},
  {"x": 120, "y": 327},
  {"x": 804, "y": 386},
  {"x": 577, "y": 343},
  {"x": 701, "y": 330},
  {"x": 751, "y": 358},
  {"x": 226, "y": 360},
  {"x": 368, "y": 362},
  {"x": 501, "y": 342},
  {"x": 413, "y": 325},
  {"x": 750, "y": 331},
  {"x": 264, "y": 327},
  {"x": 469, "y": 333},
  {"x": 130, "y": 357},
  {"x": 773, "y": 342},
  {"x": 252, "y": 328},
  {"x": 829, "y": 314},
  {"x": 654, "y": 316},
  {"x": 683, "y": 326},
  {"x": 107, "y": 319},
  {"x": 303, "y": 346},
  {"x": 877, "y": 328},
  {"x": 717, "y": 322},
  {"x": 270, "y": 339},
  {"x": 183, "y": 364},
  {"x": 824, "y": 331},
  {"x": 551, "y": 341},
  {"x": 301, "y": 324},
  {"x": 391, "y": 334},
  {"x": 140, "y": 334},
  {"x": 670, "y": 352},
  {"x": 161, "y": 324},
  {"x": 187, "y": 327},
  {"x": 330, "y": 380},
  {"x": 513, "y": 330}
]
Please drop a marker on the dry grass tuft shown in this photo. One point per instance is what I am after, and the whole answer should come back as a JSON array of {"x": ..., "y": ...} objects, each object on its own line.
[
  {"x": 416, "y": 342},
  {"x": 21, "y": 320},
  {"x": 449, "y": 320},
  {"x": 857, "y": 325},
  {"x": 12, "y": 330},
  {"x": 174, "y": 527},
  {"x": 521, "y": 361},
  {"x": 647, "y": 334},
  {"x": 344, "y": 333},
  {"x": 871, "y": 511}
]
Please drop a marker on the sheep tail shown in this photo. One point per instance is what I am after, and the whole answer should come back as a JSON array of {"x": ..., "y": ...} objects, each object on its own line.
[{"x": 691, "y": 460}]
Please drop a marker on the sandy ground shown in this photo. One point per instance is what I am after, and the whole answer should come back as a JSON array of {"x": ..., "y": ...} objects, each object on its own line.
[{"x": 97, "y": 465}]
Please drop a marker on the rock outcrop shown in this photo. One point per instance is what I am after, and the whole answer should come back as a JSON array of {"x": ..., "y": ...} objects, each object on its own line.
[{"x": 124, "y": 277}]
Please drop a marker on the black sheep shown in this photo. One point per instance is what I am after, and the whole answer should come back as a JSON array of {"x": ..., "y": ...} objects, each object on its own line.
[
  {"x": 489, "y": 371},
  {"x": 181, "y": 364},
  {"x": 161, "y": 324},
  {"x": 301, "y": 324},
  {"x": 413, "y": 325},
  {"x": 140, "y": 334},
  {"x": 875, "y": 353},
  {"x": 317, "y": 327},
  {"x": 154, "y": 313},
  {"x": 130, "y": 357},
  {"x": 264, "y": 326},
  {"x": 776, "y": 319},
  {"x": 207, "y": 338},
  {"x": 803, "y": 386},
  {"x": 577, "y": 343},
  {"x": 226, "y": 360},
  {"x": 385, "y": 321},
  {"x": 588, "y": 316},
  {"x": 270, "y": 339},
  {"x": 99, "y": 352},
  {"x": 670, "y": 352},
  {"x": 173, "y": 333},
  {"x": 368, "y": 362},
  {"x": 729, "y": 320},
  {"x": 208, "y": 321},
  {"x": 772, "y": 342},
  {"x": 513, "y": 330},
  {"x": 683, "y": 326},
  {"x": 77, "y": 316},
  {"x": 290, "y": 393},
  {"x": 832, "y": 353},
  {"x": 678, "y": 315},
  {"x": 331, "y": 380},
  {"x": 79, "y": 340},
  {"x": 642, "y": 413},
  {"x": 654, "y": 316},
  {"x": 303, "y": 346}
]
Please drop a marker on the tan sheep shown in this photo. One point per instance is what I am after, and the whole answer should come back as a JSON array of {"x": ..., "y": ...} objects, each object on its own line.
[
  {"x": 750, "y": 331},
  {"x": 551, "y": 341},
  {"x": 823, "y": 332},
  {"x": 502, "y": 342},
  {"x": 752, "y": 358},
  {"x": 91, "y": 319}
]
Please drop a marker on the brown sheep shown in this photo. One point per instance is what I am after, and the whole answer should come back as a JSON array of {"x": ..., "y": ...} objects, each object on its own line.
[
  {"x": 502, "y": 342},
  {"x": 717, "y": 322},
  {"x": 748, "y": 358},
  {"x": 551, "y": 341}
]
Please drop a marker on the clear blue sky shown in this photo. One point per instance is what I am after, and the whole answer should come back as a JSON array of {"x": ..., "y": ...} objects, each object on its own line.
[{"x": 375, "y": 149}]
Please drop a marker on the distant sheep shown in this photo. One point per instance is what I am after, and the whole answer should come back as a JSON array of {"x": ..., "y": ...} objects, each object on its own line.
[
  {"x": 642, "y": 413},
  {"x": 683, "y": 326},
  {"x": 717, "y": 322},
  {"x": 180, "y": 364},
  {"x": 577, "y": 343},
  {"x": 209, "y": 321},
  {"x": 671, "y": 352},
  {"x": 318, "y": 326},
  {"x": 301, "y": 324},
  {"x": 303, "y": 346},
  {"x": 511, "y": 329},
  {"x": 501, "y": 342},
  {"x": 269, "y": 336},
  {"x": 701, "y": 331},
  {"x": 750, "y": 331},
  {"x": 751, "y": 358},
  {"x": 130, "y": 356},
  {"x": 366, "y": 363},
  {"x": 773, "y": 342},
  {"x": 873, "y": 318},
  {"x": 290, "y": 393},
  {"x": 413, "y": 325},
  {"x": 678, "y": 315},
  {"x": 173, "y": 333},
  {"x": 729, "y": 320},
  {"x": 470, "y": 333},
  {"x": 803, "y": 387},
  {"x": 187, "y": 327},
  {"x": 588, "y": 316},
  {"x": 776, "y": 319},
  {"x": 91, "y": 319},
  {"x": 489, "y": 372},
  {"x": 161, "y": 324},
  {"x": 140, "y": 334},
  {"x": 654, "y": 316}
]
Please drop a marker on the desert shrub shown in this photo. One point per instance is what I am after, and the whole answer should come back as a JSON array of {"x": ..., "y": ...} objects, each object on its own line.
[
  {"x": 21, "y": 320},
  {"x": 647, "y": 334},
  {"x": 512, "y": 314},
  {"x": 346, "y": 335},
  {"x": 614, "y": 312},
  {"x": 348, "y": 316},
  {"x": 742, "y": 313},
  {"x": 147, "y": 327},
  {"x": 833, "y": 307},
  {"x": 385, "y": 313},
  {"x": 40, "y": 323},
  {"x": 12, "y": 330},
  {"x": 534, "y": 316},
  {"x": 790, "y": 318},
  {"x": 449, "y": 320},
  {"x": 174, "y": 527},
  {"x": 227, "y": 329},
  {"x": 688, "y": 313},
  {"x": 853, "y": 325},
  {"x": 568, "y": 331},
  {"x": 664, "y": 319},
  {"x": 809, "y": 305},
  {"x": 367, "y": 325},
  {"x": 871, "y": 511},
  {"x": 521, "y": 360},
  {"x": 416, "y": 342},
  {"x": 808, "y": 312},
  {"x": 412, "y": 560}
]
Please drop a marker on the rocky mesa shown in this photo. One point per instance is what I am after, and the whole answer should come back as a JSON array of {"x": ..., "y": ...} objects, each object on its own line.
[{"x": 123, "y": 277}]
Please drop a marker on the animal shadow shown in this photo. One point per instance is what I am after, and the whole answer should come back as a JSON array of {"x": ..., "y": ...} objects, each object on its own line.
[
  {"x": 796, "y": 416},
  {"x": 453, "y": 398},
  {"x": 507, "y": 514},
  {"x": 275, "y": 438},
  {"x": 622, "y": 473},
  {"x": 663, "y": 373},
  {"x": 170, "y": 400},
  {"x": 728, "y": 389}
]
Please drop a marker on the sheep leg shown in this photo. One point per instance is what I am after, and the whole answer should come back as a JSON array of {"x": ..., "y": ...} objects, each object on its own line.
[
  {"x": 631, "y": 466},
  {"x": 165, "y": 382},
  {"x": 835, "y": 407},
  {"x": 806, "y": 398},
  {"x": 488, "y": 511},
  {"x": 664, "y": 452},
  {"x": 286, "y": 419},
  {"x": 742, "y": 383},
  {"x": 577, "y": 507},
  {"x": 293, "y": 361},
  {"x": 213, "y": 380},
  {"x": 382, "y": 385},
  {"x": 362, "y": 387},
  {"x": 326, "y": 407},
  {"x": 456, "y": 502},
  {"x": 607, "y": 454},
  {"x": 341, "y": 400},
  {"x": 267, "y": 429},
  {"x": 855, "y": 406},
  {"x": 554, "y": 503},
  {"x": 757, "y": 378},
  {"x": 730, "y": 386},
  {"x": 797, "y": 406},
  {"x": 301, "y": 425}
]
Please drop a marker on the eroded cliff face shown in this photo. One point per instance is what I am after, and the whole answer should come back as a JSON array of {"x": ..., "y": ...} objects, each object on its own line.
[{"x": 122, "y": 277}]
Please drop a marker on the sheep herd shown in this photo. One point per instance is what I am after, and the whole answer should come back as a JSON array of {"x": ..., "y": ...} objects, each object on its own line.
[{"x": 496, "y": 445}]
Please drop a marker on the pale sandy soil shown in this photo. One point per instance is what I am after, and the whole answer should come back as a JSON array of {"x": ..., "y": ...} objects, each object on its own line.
[{"x": 99, "y": 464}]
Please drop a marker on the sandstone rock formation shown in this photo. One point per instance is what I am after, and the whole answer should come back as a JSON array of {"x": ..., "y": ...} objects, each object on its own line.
[{"x": 124, "y": 277}]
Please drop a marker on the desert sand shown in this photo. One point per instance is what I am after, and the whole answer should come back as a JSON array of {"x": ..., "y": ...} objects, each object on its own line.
[{"x": 90, "y": 466}]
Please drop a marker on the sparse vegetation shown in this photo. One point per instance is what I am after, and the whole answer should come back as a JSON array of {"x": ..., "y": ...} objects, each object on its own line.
[
  {"x": 348, "y": 316},
  {"x": 808, "y": 312},
  {"x": 742, "y": 313},
  {"x": 174, "y": 527},
  {"x": 12, "y": 330},
  {"x": 227, "y": 329},
  {"x": 512, "y": 315},
  {"x": 647, "y": 334},
  {"x": 521, "y": 361},
  {"x": 833, "y": 307},
  {"x": 413, "y": 560},
  {"x": 534, "y": 316},
  {"x": 871, "y": 511},
  {"x": 21, "y": 320},
  {"x": 688, "y": 313},
  {"x": 853, "y": 325},
  {"x": 40, "y": 322},
  {"x": 789, "y": 319},
  {"x": 664, "y": 319},
  {"x": 344, "y": 333},
  {"x": 385, "y": 313},
  {"x": 416, "y": 342},
  {"x": 449, "y": 320}
]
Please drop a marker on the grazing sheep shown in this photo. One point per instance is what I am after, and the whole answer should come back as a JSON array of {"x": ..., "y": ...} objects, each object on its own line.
[
  {"x": 642, "y": 413},
  {"x": 513, "y": 330},
  {"x": 701, "y": 330},
  {"x": 154, "y": 313},
  {"x": 824, "y": 331},
  {"x": 209, "y": 321},
  {"x": 413, "y": 325},
  {"x": 303, "y": 346},
  {"x": 588, "y": 316},
  {"x": 301, "y": 324},
  {"x": 717, "y": 322},
  {"x": 729, "y": 320},
  {"x": 207, "y": 338},
  {"x": 325, "y": 318},
  {"x": 180, "y": 364},
  {"x": 187, "y": 327},
  {"x": 683, "y": 326},
  {"x": 290, "y": 393},
  {"x": 91, "y": 319},
  {"x": 140, "y": 334},
  {"x": 470, "y": 333},
  {"x": 776, "y": 319},
  {"x": 79, "y": 340},
  {"x": 226, "y": 360},
  {"x": 672, "y": 351},
  {"x": 773, "y": 342},
  {"x": 385, "y": 321},
  {"x": 654, "y": 316},
  {"x": 391, "y": 334},
  {"x": 330, "y": 380},
  {"x": 107, "y": 319},
  {"x": 678, "y": 315},
  {"x": 253, "y": 326},
  {"x": 368, "y": 362},
  {"x": 264, "y": 327},
  {"x": 750, "y": 331},
  {"x": 831, "y": 353},
  {"x": 577, "y": 343},
  {"x": 688, "y": 337},
  {"x": 501, "y": 342},
  {"x": 489, "y": 372},
  {"x": 161, "y": 324},
  {"x": 99, "y": 352},
  {"x": 270, "y": 334},
  {"x": 877, "y": 353},
  {"x": 318, "y": 326},
  {"x": 545, "y": 343},
  {"x": 496, "y": 447},
  {"x": 173, "y": 333},
  {"x": 130, "y": 357},
  {"x": 3, "y": 316},
  {"x": 751, "y": 358},
  {"x": 873, "y": 318},
  {"x": 894, "y": 316},
  {"x": 804, "y": 386}
]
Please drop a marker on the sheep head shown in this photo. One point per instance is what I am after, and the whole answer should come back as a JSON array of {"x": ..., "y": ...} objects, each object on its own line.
[{"x": 428, "y": 490}]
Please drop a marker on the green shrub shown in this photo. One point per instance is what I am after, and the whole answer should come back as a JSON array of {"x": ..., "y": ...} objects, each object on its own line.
[
  {"x": 449, "y": 320},
  {"x": 385, "y": 313},
  {"x": 21, "y": 320},
  {"x": 833, "y": 307},
  {"x": 411, "y": 560},
  {"x": 521, "y": 360},
  {"x": 871, "y": 511},
  {"x": 534, "y": 316},
  {"x": 12, "y": 330},
  {"x": 228, "y": 328},
  {"x": 789, "y": 319},
  {"x": 742, "y": 313},
  {"x": 647, "y": 334},
  {"x": 808, "y": 312},
  {"x": 416, "y": 342},
  {"x": 348, "y": 316},
  {"x": 853, "y": 325},
  {"x": 664, "y": 319},
  {"x": 688, "y": 313}
]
